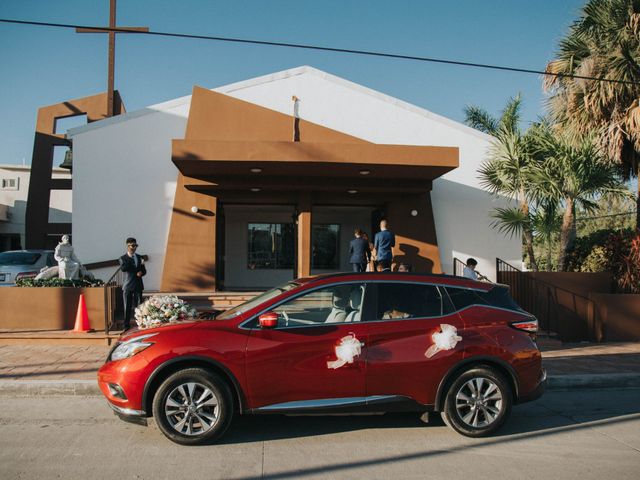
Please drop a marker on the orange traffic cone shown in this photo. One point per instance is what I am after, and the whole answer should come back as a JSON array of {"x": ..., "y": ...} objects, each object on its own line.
[{"x": 82, "y": 318}]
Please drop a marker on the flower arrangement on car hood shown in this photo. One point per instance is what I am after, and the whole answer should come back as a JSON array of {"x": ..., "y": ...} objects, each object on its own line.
[{"x": 163, "y": 309}]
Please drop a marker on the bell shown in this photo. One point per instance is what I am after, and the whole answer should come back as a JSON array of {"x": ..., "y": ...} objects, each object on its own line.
[{"x": 68, "y": 160}]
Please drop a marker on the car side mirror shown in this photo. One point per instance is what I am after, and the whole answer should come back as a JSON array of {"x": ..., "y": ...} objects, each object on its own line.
[{"x": 268, "y": 320}]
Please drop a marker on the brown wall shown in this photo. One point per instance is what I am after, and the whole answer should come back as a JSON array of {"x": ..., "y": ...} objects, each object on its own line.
[
  {"x": 618, "y": 316},
  {"x": 416, "y": 242},
  {"x": 191, "y": 249},
  {"x": 49, "y": 308},
  {"x": 581, "y": 283}
]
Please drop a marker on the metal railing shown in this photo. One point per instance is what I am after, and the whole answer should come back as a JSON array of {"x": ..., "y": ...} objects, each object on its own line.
[
  {"x": 112, "y": 290},
  {"x": 116, "y": 279},
  {"x": 561, "y": 312},
  {"x": 458, "y": 267}
]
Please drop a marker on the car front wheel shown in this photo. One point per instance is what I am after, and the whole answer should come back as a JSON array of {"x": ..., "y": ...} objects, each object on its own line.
[
  {"x": 193, "y": 406},
  {"x": 478, "y": 402}
]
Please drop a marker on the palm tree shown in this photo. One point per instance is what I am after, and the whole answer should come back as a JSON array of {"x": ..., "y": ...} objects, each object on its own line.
[
  {"x": 603, "y": 43},
  {"x": 505, "y": 170},
  {"x": 573, "y": 174},
  {"x": 546, "y": 224}
]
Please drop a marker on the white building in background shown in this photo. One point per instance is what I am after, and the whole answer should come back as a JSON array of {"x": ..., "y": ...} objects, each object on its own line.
[
  {"x": 125, "y": 182},
  {"x": 14, "y": 188}
]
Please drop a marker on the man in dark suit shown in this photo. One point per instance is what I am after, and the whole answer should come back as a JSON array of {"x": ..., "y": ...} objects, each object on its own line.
[
  {"x": 133, "y": 267},
  {"x": 383, "y": 243},
  {"x": 359, "y": 252}
]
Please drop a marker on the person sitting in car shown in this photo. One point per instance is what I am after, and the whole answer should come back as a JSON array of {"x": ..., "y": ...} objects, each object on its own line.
[
  {"x": 395, "y": 311},
  {"x": 340, "y": 300}
]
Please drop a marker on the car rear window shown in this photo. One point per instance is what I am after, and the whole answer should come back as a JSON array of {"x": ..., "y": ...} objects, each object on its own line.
[
  {"x": 498, "y": 296},
  {"x": 19, "y": 258}
]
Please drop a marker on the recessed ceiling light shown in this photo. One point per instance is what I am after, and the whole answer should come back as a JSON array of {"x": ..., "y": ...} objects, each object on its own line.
[
  {"x": 256, "y": 170},
  {"x": 255, "y": 189},
  {"x": 365, "y": 172},
  {"x": 352, "y": 191}
]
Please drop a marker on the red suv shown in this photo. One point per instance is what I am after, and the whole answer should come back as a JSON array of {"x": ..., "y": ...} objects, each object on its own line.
[{"x": 372, "y": 342}]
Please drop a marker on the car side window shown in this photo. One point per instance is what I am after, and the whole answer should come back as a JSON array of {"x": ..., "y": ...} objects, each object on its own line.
[
  {"x": 408, "y": 300},
  {"x": 335, "y": 304},
  {"x": 51, "y": 261},
  {"x": 462, "y": 297}
]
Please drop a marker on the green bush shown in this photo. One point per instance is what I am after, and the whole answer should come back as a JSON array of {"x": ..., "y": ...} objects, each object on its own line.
[
  {"x": 584, "y": 246},
  {"x": 612, "y": 251},
  {"x": 596, "y": 261},
  {"x": 58, "y": 282}
]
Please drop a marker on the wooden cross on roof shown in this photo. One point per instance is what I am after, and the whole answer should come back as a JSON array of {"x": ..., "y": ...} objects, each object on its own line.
[{"x": 112, "y": 30}]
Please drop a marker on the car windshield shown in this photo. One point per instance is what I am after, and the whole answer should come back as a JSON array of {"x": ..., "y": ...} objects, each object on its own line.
[
  {"x": 19, "y": 258},
  {"x": 263, "y": 297}
]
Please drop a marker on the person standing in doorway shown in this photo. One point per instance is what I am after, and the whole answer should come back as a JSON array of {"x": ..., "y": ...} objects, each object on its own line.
[
  {"x": 133, "y": 267},
  {"x": 383, "y": 243},
  {"x": 359, "y": 252}
]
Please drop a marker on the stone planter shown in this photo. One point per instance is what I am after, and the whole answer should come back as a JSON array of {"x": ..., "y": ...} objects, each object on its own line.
[{"x": 51, "y": 308}]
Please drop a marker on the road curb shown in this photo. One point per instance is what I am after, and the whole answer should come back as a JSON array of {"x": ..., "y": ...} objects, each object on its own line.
[
  {"x": 37, "y": 388},
  {"x": 593, "y": 381}
]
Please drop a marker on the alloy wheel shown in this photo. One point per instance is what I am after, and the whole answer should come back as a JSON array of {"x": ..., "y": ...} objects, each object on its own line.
[
  {"x": 478, "y": 402},
  {"x": 191, "y": 409}
]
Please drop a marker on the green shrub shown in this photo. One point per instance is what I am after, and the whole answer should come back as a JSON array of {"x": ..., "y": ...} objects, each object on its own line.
[
  {"x": 584, "y": 246},
  {"x": 58, "y": 282},
  {"x": 596, "y": 261},
  {"x": 617, "y": 252}
]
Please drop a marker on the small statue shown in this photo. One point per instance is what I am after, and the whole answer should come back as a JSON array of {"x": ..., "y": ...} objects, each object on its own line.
[{"x": 68, "y": 263}]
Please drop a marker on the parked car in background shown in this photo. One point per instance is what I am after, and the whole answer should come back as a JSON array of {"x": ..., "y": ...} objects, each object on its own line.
[
  {"x": 17, "y": 264},
  {"x": 341, "y": 343}
]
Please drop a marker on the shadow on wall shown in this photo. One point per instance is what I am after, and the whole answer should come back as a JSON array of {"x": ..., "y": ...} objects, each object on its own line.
[
  {"x": 201, "y": 276},
  {"x": 410, "y": 256},
  {"x": 463, "y": 224}
]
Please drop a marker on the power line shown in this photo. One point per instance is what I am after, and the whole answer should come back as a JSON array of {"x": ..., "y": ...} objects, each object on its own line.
[
  {"x": 317, "y": 48},
  {"x": 632, "y": 212}
]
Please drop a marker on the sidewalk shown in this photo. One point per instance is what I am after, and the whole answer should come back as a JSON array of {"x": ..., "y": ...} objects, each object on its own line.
[{"x": 71, "y": 369}]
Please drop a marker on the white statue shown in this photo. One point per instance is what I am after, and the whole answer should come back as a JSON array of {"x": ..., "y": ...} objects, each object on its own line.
[{"x": 68, "y": 263}]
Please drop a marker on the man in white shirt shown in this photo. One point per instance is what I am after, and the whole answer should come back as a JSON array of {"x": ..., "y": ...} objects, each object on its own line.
[{"x": 470, "y": 270}]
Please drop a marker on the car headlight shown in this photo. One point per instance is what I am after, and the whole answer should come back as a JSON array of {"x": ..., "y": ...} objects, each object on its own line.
[{"x": 131, "y": 347}]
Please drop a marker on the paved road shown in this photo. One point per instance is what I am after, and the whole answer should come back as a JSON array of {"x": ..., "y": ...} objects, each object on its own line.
[{"x": 565, "y": 435}]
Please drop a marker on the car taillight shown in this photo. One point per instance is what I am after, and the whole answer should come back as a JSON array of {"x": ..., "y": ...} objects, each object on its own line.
[
  {"x": 26, "y": 275},
  {"x": 529, "y": 325}
]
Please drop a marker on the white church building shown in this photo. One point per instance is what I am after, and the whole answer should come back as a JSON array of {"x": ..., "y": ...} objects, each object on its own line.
[{"x": 251, "y": 184}]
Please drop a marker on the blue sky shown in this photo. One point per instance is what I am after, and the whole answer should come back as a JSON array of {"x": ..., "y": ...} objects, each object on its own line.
[{"x": 42, "y": 66}]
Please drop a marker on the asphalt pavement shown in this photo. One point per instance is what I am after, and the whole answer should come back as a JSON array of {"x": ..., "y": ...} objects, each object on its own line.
[{"x": 587, "y": 434}]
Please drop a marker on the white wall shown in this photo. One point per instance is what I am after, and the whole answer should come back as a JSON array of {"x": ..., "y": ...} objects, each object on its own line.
[{"x": 124, "y": 185}]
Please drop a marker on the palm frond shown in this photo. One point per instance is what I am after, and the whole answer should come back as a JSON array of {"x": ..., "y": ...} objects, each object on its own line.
[
  {"x": 510, "y": 220},
  {"x": 480, "y": 119},
  {"x": 511, "y": 114}
]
